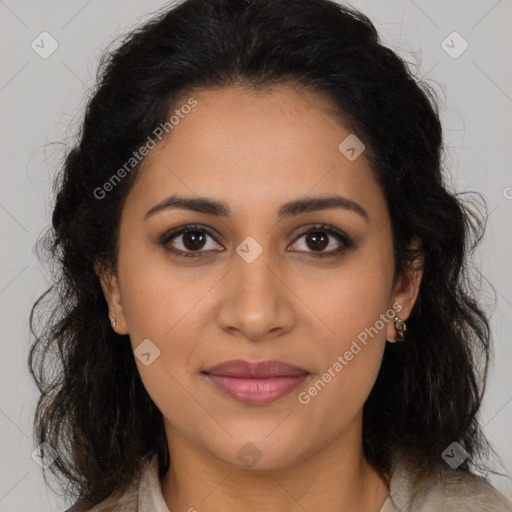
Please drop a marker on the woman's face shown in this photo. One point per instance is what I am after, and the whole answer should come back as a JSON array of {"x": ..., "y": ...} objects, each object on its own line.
[{"x": 262, "y": 290}]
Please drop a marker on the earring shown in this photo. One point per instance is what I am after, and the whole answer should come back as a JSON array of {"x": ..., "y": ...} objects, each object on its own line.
[
  {"x": 400, "y": 327},
  {"x": 113, "y": 320}
]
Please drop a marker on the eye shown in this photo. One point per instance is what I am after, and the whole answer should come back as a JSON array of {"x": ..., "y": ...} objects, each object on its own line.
[
  {"x": 317, "y": 237},
  {"x": 194, "y": 239}
]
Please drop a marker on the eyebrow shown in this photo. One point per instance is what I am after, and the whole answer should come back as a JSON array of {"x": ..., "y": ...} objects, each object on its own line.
[{"x": 219, "y": 209}]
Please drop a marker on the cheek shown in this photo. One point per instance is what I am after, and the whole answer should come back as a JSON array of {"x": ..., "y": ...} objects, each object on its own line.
[
  {"x": 335, "y": 398},
  {"x": 154, "y": 295},
  {"x": 357, "y": 314},
  {"x": 348, "y": 298},
  {"x": 353, "y": 308},
  {"x": 160, "y": 307}
]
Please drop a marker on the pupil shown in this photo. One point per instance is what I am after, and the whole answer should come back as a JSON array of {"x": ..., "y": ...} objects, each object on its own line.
[
  {"x": 196, "y": 237},
  {"x": 319, "y": 240}
]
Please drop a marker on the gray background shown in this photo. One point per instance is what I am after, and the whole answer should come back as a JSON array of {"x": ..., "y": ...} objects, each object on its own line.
[{"x": 42, "y": 101}]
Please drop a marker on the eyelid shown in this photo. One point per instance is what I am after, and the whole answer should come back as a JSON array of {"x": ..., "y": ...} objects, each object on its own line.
[
  {"x": 327, "y": 228},
  {"x": 173, "y": 233},
  {"x": 341, "y": 236}
]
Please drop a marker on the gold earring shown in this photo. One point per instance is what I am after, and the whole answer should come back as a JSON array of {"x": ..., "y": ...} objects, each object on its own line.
[{"x": 400, "y": 327}]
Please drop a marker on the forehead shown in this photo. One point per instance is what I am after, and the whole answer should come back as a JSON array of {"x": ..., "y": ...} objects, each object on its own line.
[{"x": 246, "y": 147}]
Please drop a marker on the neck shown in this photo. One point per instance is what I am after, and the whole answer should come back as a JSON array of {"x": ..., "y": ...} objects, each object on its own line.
[{"x": 338, "y": 478}]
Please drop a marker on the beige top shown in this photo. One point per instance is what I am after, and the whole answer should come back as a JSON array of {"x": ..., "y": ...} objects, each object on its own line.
[{"x": 449, "y": 491}]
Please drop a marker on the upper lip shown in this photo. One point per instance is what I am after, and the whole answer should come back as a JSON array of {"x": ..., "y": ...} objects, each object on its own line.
[{"x": 261, "y": 370}]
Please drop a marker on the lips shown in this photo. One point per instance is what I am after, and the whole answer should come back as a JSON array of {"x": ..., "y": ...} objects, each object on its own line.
[
  {"x": 256, "y": 383},
  {"x": 262, "y": 370}
]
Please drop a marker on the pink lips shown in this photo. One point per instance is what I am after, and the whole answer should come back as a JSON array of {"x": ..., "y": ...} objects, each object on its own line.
[{"x": 256, "y": 383}]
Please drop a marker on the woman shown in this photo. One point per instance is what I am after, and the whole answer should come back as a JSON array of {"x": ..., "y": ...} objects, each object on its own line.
[{"x": 263, "y": 301}]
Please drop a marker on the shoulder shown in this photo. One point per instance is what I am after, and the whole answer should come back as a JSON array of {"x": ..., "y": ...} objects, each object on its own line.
[
  {"x": 125, "y": 501},
  {"x": 444, "y": 489}
]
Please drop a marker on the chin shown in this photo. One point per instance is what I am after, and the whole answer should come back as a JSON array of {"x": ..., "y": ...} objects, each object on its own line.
[{"x": 262, "y": 453}]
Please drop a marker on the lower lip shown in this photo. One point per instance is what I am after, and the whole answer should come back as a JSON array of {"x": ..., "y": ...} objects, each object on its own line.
[{"x": 256, "y": 391}]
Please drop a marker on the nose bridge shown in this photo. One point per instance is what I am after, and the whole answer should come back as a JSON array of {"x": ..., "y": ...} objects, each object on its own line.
[
  {"x": 253, "y": 271},
  {"x": 256, "y": 302}
]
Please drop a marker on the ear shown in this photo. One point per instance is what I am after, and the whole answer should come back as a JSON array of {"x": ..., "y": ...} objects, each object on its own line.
[
  {"x": 110, "y": 286},
  {"x": 406, "y": 289}
]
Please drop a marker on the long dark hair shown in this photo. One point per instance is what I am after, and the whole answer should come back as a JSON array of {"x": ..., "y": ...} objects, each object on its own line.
[{"x": 94, "y": 409}]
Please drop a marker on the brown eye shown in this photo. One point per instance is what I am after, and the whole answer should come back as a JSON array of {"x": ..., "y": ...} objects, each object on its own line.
[
  {"x": 318, "y": 238},
  {"x": 193, "y": 243},
  {"x": 193, "y": 240}
]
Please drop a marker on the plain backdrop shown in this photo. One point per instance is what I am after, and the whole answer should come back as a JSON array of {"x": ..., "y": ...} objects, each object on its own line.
[{"x": 42, "y": 101}]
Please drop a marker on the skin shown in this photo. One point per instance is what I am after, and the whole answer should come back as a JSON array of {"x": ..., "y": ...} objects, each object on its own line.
[{"x": 256, "y": 151}]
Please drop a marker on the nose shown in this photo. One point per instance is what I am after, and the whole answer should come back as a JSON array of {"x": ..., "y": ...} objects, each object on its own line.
[{"x": 256, "y": 302}]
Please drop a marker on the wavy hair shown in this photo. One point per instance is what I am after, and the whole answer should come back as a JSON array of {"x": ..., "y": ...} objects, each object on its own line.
[{"x": 93, "y": 408}]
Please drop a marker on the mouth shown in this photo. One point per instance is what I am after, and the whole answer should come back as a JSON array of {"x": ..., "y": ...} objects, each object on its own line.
[{"x": 256, "y": 383}]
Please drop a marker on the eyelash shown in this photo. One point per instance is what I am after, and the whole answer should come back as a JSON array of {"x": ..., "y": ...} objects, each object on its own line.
[{"x": 339, "y": 235}]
